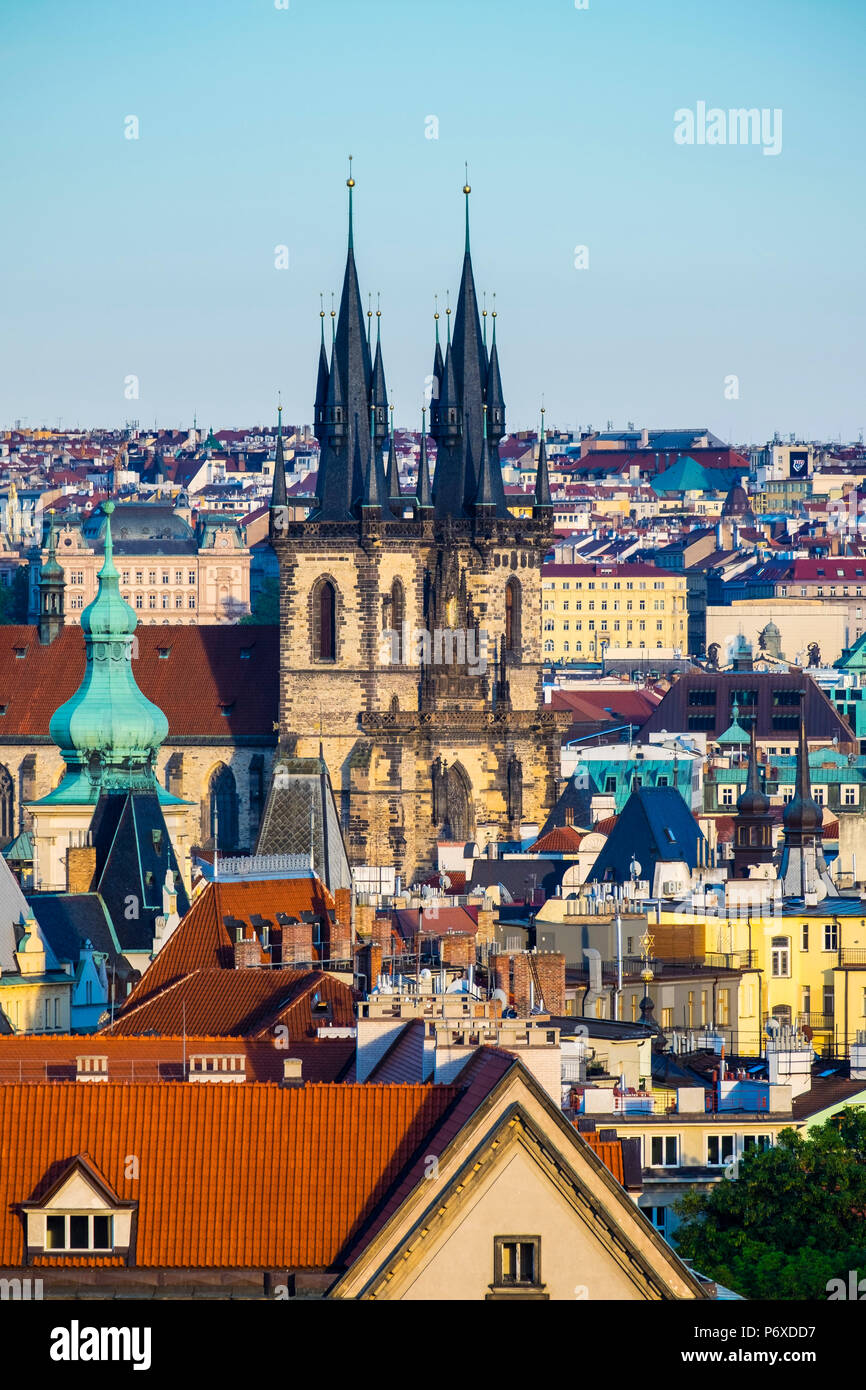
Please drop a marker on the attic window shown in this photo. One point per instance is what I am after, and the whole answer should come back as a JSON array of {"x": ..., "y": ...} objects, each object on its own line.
[
  {"x": 163, "y": 653},
  {"x": 3, "y": 709},
  {"x": 78, "y": 1232},
  {"x": 670, "y": 836},
  {"x": 227, "y": 708},
  {"x": 246, "y": 653},
  {"x": 20, "y": 652},
  {"x": 157, "y": 840}
]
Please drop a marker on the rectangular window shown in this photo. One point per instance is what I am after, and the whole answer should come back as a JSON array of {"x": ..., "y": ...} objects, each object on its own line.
[
  {"x": 151, "y": 600},
  {"x": 759, "y": 1143},
  {"x": 517, "y": 1261},
  {"x": 178, "y": 576},
  {"x": 780, "y": 957},
  {"x": 178, "y": 600},
  {"x": 658, "y": 1217},
  {"x": 829, "y": 1001},
  {"x": 831, "y": 936},
  {"x": 724, "y": 1006},
  {"x": 720, "y": 1149},
  {"x": 667, "y": 1019},
  {"x": 192, "y": 601},
  {"x": 850, "y": 796},
  {"x": 805, "y": 939},
  {"x": 166, "y": 600},
  {"x": 78, "y": 1232},
  {"x": 726, "y": 795},
  {"x": 139, "y": 601},
  {"x": 151, "y": 578},
  {"x": 139, "y": 576},
  {"x": 664, "y": 1151}
]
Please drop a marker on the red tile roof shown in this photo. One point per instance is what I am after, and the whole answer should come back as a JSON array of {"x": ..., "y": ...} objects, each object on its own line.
[
  {"x": 240, "y": 1003},
  {"x": 202, "y": 941},
  {"x": 204, "y": 659},
  {"x": 437, "y": 921},
  {"x": 51, "y": 1057},
  {"x": 230, "y": 1176},
  {"x": 562, "y": 839}
]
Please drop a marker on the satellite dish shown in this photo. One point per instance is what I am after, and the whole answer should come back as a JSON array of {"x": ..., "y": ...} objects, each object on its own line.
[
  {"x": 635, "y": 867},
  {"x": 500, "y": 996},
  {"x": 772, "y": 1027},
  {"x": 446, "y": 882},
  {"x": 425, "y": 974}
]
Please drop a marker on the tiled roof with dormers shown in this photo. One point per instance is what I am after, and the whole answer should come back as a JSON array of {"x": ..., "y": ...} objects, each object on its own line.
[{"x": 229, "y": 1176}]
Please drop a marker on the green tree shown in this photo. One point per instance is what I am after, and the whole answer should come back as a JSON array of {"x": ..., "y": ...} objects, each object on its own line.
[
  {"x": 266, "y": 606},
  {"x": 793, "y": 1219},
  {"x": 13, "y": 598}
]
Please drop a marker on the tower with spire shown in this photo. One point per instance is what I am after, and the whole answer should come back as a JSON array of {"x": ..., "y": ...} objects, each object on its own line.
[
  {"x": 803, "y": 868},
  {"x": 109, "y": 800},
  {"x": 753, "y": 823},
  {"x": 410, "y": 623}
]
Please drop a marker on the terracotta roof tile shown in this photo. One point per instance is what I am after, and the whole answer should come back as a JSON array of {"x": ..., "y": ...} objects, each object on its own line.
[
  {"x": 562, "y": 839},
  {"x": 229, "y": 1176},
  {"x": 201, "y": 940},
  {"x": 52, "y": 1057},
  {"x": 239, "y": 1003}
]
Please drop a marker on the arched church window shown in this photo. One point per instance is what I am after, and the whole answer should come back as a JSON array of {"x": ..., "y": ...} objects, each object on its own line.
[
  {"x": 222, "y": 809},
  {"x": 513, "y": 604},
  {"x": 324, "y": 621},
  {"x": 7, "y": 806},
  {"x": 398, "y": 614}
]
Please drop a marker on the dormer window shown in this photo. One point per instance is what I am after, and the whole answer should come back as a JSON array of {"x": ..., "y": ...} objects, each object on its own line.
[
  {"x": 78, "y": 1215},
  {"x": 20, "y": 652},
  {"x": 76, "y": 1231}
]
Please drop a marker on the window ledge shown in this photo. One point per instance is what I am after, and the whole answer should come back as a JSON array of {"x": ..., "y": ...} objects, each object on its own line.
[{"x": 523, "y": 1292}]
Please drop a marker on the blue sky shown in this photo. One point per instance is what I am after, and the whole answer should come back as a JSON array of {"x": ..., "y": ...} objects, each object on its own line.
[{"x": 155, "y": 257}]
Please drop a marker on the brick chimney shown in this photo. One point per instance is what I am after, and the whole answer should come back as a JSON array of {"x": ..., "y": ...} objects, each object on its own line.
[
  {"x": 80, "y": 868},
  {"x": 248, "y": 953}
]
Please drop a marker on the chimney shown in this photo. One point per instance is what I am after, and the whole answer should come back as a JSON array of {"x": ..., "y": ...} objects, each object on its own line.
[
  {"x": 248, "y": 953},
  {"x": 292, "y": 1069},
  {"x": 80, "y": 868}
]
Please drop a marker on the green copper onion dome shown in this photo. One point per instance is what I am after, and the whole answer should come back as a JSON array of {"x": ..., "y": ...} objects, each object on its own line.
[{"x": 108, "y": 732}]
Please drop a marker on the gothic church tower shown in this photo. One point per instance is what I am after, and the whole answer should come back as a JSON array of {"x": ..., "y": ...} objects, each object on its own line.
[{"x": 430, "y": 736}]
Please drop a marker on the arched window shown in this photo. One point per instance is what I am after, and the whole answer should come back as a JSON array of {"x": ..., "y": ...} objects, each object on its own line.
[
  {"x": 222, "y": 809},
  {"x": 7, "y": 806},
  {"x": 324, "y": 621},
  {"x": 398, "y": 614},
  {"x": 512, "y": 617}
]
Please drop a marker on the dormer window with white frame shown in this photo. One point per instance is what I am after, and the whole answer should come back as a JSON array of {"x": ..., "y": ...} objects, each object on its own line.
[{"x": 80, "y": 1214}]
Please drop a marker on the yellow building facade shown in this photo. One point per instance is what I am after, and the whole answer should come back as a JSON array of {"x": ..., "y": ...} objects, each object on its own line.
[{"x": 588, "y": 608}]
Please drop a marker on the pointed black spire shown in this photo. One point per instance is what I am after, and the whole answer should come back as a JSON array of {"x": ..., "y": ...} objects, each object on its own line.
[
  {"x": 322, "y": 381},
  {"x": 543, "y": 498},
  {"x": 374, "y": 504},
  {"x": 494, "y": 397},
  {"x": 278, "y": 491},
  {"x": 485, "y": 496},
  {"x": 347, "y": 418},
  {"x": 393, "y": 477},
  {"x": 378, "y": 391},
  {"x": 438, "y": 371},
  {"x": 458, "y": 466},
  {"x": 423, "y": 491}
]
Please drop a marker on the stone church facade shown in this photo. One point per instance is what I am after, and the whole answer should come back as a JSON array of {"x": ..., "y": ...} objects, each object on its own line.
[{"x": 411, "y": 624}]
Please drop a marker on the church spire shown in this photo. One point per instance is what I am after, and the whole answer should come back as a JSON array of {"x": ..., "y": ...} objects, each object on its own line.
[
  {"x": 543, "y": 499},
  {"x": 278, "y": 491},
  {"x": 108, "y": 732},
  {"x": 493, "y": 394},
  {"x": 423, "y": 492},
  {"x": 395, "y": 495},
  {"x": 438, "y": 372},
  {"x": 52, "y": 586},
  {"x": 347, "y": 419},
  {"x": 485, "y": 497},
  {"x": 319, "y": 428},
  {"x": 378, "y": 391}
]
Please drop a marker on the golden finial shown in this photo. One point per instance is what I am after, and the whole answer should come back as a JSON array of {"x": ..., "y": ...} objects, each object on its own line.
[
  {"x": 350, "y": 182},
  {"x": 467, "y": 187}
]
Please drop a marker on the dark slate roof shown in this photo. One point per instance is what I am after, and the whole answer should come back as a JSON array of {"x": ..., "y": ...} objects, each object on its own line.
[
  {"x": 656, "y": 826},
  {"x": 513, "y": 875},
  {"x": 131, "y": 864},
  {"x": 68, "y": 920},
  {"x": 822, "y": 718}
]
